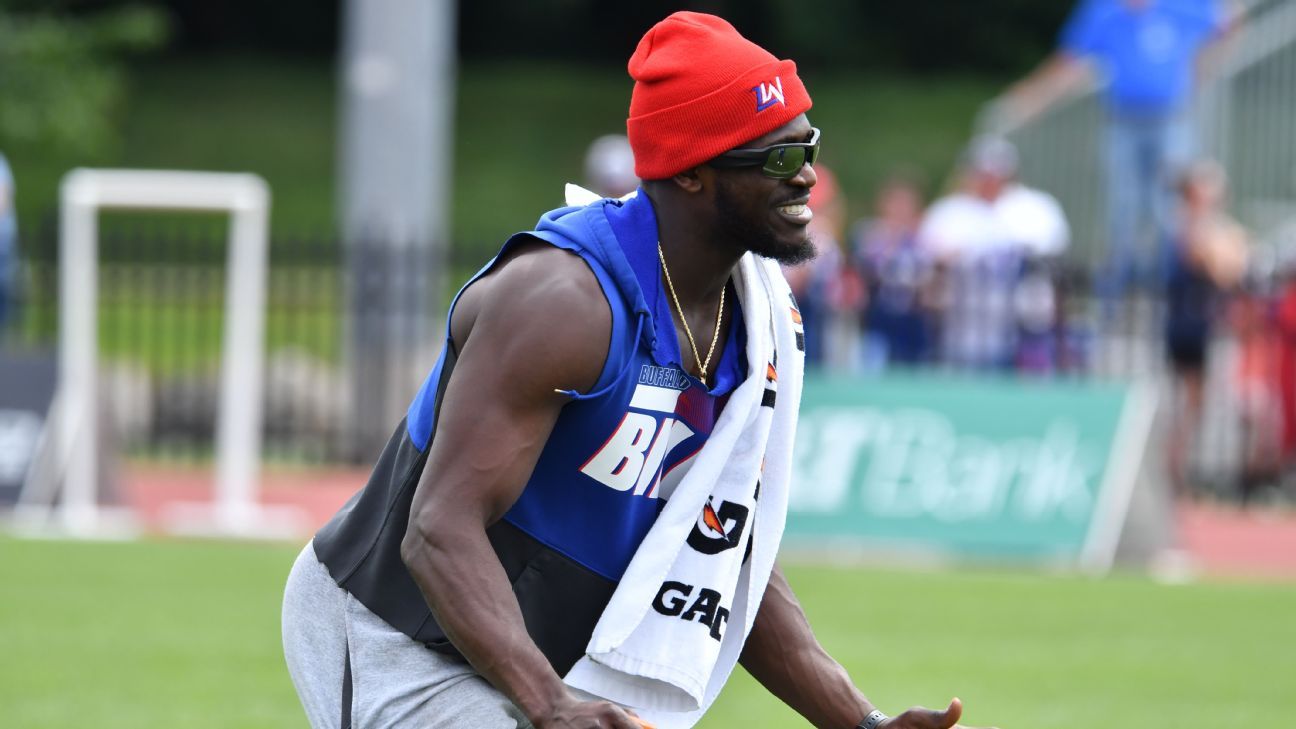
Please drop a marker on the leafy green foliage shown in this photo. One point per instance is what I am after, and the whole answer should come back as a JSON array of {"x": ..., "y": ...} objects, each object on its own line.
[{"x": 62, "y": 86}]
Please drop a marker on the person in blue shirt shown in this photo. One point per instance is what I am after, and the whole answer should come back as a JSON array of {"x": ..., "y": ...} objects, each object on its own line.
[{"x": 1149, "y": 53}]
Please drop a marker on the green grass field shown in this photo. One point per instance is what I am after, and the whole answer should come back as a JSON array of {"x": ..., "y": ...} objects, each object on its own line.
[{"x": 179, "y": 635}]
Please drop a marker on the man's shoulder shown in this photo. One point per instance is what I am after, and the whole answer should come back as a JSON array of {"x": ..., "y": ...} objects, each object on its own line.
[
  {"x": 542, "y": 317},
  {"x": 536, "y": 277}
]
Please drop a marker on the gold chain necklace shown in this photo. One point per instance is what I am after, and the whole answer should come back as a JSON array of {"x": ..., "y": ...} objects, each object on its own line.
[{"x": 703, "y": 365}]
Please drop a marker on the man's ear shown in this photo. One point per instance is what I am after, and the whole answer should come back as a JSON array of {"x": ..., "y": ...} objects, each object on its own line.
[{"x": 689, "y": 180}]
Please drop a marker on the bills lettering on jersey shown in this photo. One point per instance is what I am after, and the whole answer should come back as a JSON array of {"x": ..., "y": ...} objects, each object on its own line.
[
  {"x": 643, "y": 454},
  {"x": 671, "y": 377}
]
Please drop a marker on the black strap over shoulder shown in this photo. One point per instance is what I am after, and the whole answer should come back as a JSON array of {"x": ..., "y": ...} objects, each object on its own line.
[{"x": 346, "y": 691}]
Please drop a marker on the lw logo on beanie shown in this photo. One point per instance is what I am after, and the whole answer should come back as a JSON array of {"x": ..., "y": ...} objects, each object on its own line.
[{"x": 768, "y": 95}]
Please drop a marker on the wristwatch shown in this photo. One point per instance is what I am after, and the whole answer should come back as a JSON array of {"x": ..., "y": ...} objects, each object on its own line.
[{"x": 871, "y": 721}]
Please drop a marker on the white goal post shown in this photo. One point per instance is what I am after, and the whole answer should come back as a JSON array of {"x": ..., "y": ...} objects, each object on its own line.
[{"x": 235, "y": 510}]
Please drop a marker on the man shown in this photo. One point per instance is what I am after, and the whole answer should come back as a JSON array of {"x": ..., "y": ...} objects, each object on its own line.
[
  {"x": 897, "y": 275},
  {"x": 983, "y": 236},
  {"x": 465, "y": 581},
  {"x": 1149, "y": 52}
]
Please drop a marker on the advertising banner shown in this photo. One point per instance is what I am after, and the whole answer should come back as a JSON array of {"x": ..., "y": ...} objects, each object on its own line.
[{"x": 983, "y": 467}]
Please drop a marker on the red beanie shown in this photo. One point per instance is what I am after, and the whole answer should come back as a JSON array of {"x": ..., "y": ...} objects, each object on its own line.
[{"x": 702, "y": 89}]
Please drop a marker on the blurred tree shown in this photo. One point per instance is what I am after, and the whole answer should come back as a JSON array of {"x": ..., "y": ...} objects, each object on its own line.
[
  {"x": 309, "y": 27},
  {"x": 997, "y": 37},
  {"x": 986, "y": 36},
  {"x": 62, "y": 84},
  {"x": 300, "y": 27}
]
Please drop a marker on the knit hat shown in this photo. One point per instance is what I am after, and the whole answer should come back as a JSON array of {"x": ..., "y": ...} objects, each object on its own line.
[{"x": 702, "y": 89}]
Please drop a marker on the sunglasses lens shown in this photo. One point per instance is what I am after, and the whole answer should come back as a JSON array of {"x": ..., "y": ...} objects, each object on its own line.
[{"x": 785, "y": 162}]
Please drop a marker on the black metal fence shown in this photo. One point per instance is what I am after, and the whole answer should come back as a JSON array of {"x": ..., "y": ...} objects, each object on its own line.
[
  {"x": 350, "y": 326},
  {"x": 336, "y": 319}
]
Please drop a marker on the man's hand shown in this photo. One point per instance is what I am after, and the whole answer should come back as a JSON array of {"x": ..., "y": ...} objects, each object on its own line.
[
  {"x": 920, "y": 718},
  {"x": 577, "y": 714}
]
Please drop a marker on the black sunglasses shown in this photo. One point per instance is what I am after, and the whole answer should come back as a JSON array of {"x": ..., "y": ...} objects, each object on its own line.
[{"x": 780, "y": 161}]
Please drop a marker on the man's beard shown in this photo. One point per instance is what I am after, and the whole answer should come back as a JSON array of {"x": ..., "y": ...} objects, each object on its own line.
[{"x": 745, "y": 234}]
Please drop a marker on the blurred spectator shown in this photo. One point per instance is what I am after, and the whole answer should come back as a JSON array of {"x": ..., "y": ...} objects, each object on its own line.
[
  {"x": 1148, "y": 51},
  {"x": 829, "y": 293},
  {"x": 1207, "y": 255},
  {"x": 1256, "y": 388},
  {"x": 609, "y": 166},
  {"x": 8, "y": 239},
  {"x": 897, "y": 273},
  {"x": 1035, "y": 306},
  {"x": 989, "y": 239},
  {"x": 1285, "y": 316}
]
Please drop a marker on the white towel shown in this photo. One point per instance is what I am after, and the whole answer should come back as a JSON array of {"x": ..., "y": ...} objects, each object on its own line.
[{"x": 676, "y": 624}]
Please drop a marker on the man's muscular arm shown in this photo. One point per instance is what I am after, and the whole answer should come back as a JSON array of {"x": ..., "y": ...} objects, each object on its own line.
[
  {"x": 537, "y": 323},
  {"x": 783, "y": 654}
]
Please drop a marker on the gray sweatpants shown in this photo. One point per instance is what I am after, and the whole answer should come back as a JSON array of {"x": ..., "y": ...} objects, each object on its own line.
[{"x": 395, "y": 681}]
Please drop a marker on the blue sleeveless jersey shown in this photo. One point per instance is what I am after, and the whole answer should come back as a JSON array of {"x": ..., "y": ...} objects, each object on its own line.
[
  {"x": 615, "y": 452},
  {"x": 613, "y": 457}
]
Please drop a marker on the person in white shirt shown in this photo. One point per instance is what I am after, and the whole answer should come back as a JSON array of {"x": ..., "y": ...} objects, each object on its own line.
[{"x": 982, "y": 237}]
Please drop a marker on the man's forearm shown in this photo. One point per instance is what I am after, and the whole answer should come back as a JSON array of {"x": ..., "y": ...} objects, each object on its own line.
[
  {"x": 784, "y": 656},
  {"x": 468, "y": 591}
]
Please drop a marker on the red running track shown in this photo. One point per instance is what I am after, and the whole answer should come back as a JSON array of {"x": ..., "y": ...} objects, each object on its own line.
[{"x": 1220, "y": 541}]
